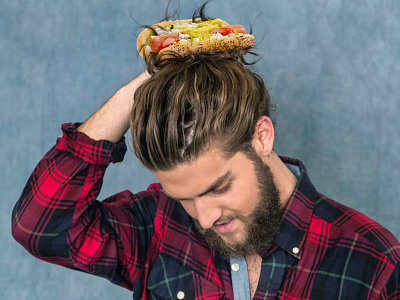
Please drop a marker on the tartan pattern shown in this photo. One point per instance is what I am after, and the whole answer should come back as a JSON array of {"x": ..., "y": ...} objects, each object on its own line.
[{"x": 147, "y": 243}]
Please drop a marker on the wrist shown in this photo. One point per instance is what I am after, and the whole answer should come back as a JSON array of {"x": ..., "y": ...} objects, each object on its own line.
[
  {"x": 135, "y": 83},
  {"x": 127, "y": 92}
]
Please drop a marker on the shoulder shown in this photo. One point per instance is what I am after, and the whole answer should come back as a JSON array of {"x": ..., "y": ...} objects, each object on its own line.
[
  {"x": 160, "y": 204},
  {"x": 348, "y": 223},
  {"x": 145, "y": 202}
]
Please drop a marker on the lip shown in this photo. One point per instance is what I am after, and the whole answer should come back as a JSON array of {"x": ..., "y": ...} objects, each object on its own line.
[{"x": 226, "y": 227}]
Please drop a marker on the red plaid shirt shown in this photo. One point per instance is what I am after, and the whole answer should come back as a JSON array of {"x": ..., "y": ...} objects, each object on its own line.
[{"x": 147, "y": 243}]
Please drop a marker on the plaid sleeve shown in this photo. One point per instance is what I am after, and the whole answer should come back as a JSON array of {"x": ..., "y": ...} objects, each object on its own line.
[
  {"x": 391, "y": 290},
  {"x": 58, "y": 219}
]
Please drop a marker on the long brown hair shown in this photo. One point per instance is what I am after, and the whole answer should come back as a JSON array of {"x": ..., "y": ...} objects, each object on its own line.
[{"x": 194, "y": 103}]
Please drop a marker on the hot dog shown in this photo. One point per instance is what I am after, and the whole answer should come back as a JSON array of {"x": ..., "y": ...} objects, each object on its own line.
[{"x": 184, "y": 37}]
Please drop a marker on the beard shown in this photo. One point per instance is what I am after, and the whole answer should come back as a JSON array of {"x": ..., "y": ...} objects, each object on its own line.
[{"x": 261, "y": 225}]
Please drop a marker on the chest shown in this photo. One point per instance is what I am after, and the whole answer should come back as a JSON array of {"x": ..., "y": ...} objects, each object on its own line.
[{"x": 254, "y": 270}]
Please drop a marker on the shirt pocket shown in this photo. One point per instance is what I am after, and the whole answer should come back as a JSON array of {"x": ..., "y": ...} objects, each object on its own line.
[{"x": 171, "y": 279}]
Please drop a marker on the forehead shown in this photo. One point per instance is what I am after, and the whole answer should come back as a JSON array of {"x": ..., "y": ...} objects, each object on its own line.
[{"x": 190, "y": 179}]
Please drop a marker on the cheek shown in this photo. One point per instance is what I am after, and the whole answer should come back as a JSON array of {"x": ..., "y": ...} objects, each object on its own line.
[{"x": 241, "y": 199}]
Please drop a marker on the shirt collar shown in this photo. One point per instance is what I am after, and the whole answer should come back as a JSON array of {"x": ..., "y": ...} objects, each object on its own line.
[{"x": 298, "y": 212}]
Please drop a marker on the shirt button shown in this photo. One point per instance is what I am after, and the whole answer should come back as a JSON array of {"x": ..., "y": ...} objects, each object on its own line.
[
  {"x": 235, "y": 267},
  {"x": 180, "y": 295},
  {"x": 295, "y": 250}
]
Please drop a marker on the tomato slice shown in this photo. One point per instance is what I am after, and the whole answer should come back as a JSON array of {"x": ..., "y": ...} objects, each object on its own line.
[
  {"x": 225, "y": 30},
  {"x": 158, "y": 40},
  {"x": 168, "y": 42},
  {"x": 238, "y": 28}
]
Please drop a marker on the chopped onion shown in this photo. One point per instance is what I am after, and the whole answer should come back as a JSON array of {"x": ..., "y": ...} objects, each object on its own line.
[
  {"x": 174, "y": 30},
  {"x": 148, "y": 48},
  {"x": 160, "y": 31}
]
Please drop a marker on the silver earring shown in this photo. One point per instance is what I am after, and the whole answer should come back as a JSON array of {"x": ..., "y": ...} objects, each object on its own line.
[{"x": 267, "y": 154}]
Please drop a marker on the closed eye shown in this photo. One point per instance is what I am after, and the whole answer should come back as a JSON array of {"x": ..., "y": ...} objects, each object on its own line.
[
  {"x": 224, "y": 189},
  {"x": 214, "y": 188}
]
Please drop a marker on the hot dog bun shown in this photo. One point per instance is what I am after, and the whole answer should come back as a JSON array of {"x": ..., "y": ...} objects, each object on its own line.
[{"x": 242, "y": 41}]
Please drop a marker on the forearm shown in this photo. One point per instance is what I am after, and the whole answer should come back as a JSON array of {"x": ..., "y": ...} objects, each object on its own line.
[{"x": 111, "y": 121}]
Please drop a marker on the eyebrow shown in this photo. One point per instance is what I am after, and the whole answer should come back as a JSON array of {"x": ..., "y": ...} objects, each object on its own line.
[{"x": 211, "y": 188}]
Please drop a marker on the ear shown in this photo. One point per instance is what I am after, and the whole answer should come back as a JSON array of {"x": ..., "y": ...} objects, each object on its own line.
[{"x": 263, "y": 137}]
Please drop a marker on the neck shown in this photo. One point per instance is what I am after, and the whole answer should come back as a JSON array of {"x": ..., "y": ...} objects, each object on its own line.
[{"x": 283, "y": 177}]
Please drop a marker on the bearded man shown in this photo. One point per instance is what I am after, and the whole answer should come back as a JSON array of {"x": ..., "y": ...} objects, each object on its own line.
[{"x": 229, "y": 218}]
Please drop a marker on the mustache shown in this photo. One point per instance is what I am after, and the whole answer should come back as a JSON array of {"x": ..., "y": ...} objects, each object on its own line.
[{"x": 222, "y": 220}]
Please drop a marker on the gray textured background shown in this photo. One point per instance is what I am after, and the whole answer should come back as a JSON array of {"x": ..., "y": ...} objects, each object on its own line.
[{"x": 332, "y": 68}]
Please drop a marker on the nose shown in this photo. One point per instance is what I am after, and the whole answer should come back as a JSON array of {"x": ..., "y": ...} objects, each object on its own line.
[{"x": 207, "y": 211}]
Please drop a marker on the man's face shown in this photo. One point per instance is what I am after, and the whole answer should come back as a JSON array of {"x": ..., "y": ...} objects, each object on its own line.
[{"x": 234, "y": 202}]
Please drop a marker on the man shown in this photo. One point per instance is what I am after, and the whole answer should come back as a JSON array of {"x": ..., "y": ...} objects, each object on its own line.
[{"x": 229, "y": 218}]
